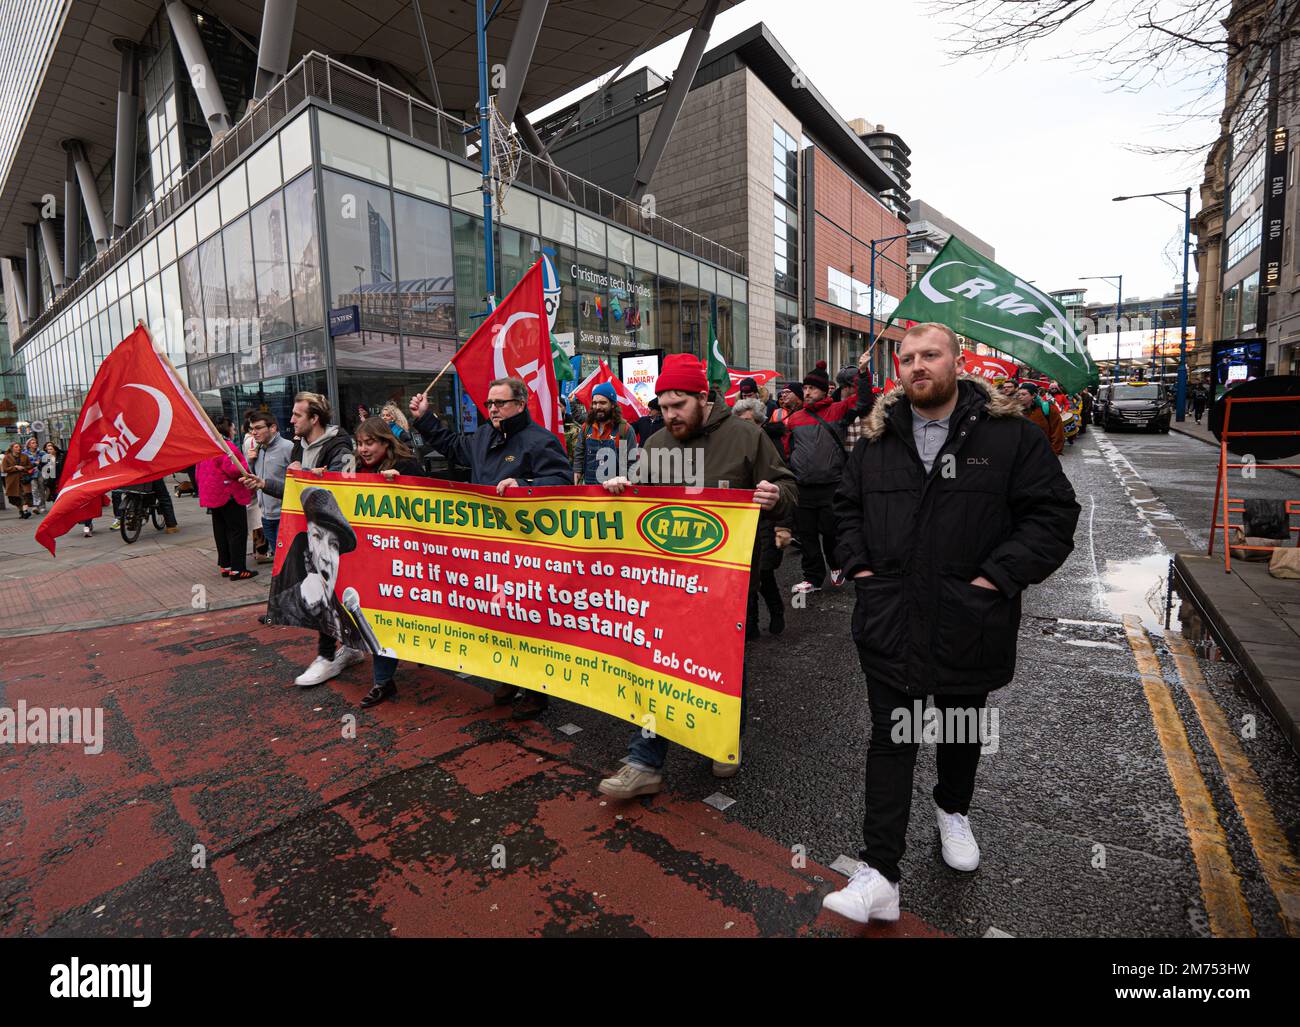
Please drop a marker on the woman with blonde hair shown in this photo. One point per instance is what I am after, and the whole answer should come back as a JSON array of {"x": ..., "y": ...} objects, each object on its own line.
[{"x": 396, "y": 420}]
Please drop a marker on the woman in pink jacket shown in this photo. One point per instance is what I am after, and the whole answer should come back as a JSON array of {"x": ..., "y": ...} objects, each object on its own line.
[{"x": 221, "y": 494}]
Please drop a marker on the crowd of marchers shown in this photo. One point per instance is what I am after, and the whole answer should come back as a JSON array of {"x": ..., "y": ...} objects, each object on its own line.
[{"x": 939, "y": 502}]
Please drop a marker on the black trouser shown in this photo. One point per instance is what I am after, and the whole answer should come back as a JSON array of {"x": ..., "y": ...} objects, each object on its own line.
[
  {"x": 165, "y": 503},
  {"x": 771, "y": 593},
  {"x": 889, "y": 773},
  {"x": 326, "y": 645},
  {"x": 815, "y": 527},
  {"x": 230, "y": 530}
]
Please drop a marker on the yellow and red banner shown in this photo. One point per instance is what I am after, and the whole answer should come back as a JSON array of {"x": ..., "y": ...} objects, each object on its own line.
[{"x": 633, "y": 605}]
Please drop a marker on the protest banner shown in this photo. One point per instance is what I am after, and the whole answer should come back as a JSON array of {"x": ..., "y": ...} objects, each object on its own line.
[{"x": 633, "y": 605}]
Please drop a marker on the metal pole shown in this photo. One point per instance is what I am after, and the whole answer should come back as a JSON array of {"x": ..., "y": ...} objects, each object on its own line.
[
  {"x": 1180, "y": 410},
  {"x": 1119, "y": 312},
  {"x": 485, "y": 152},
  {"x": 871, "y": 334}
]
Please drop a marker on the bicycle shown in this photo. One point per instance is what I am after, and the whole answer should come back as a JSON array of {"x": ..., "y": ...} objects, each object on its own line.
[{"x": 137, "y": 504}]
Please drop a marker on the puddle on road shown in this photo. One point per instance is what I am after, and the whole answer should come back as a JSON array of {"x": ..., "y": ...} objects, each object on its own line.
[{"x": 1138, "y": 587}]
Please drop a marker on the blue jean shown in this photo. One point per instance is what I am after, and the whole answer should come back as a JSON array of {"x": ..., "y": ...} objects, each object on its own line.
[
  {"x": 652, "y": 752},
  {"x": 385, "y": 669},
  {"x": 270, "y": 528}
]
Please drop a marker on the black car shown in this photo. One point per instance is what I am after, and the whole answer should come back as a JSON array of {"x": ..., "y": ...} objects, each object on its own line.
[{"x": 1133, "y": 405}]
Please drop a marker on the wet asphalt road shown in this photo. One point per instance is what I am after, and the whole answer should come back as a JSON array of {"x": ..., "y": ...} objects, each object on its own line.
[{"x": 1081, "y": 828}]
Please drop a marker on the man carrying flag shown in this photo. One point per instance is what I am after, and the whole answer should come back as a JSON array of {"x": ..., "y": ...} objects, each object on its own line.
[
  {"x": 139, "y": 423},
  {"x": 626, "y": 400}
]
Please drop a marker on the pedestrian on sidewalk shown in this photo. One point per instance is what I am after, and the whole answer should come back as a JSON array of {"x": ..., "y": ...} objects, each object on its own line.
[
  {"x": 318, "y": 446},
  {"x": 815, "y": 437},
  {"x": 507, "y": 452},
  {"x": 724, "y": 449},
  {"x": 164, "y": 501},
  {"x": 604, "y": 431},
  {"x": 773, "y": 537},
  {"x": 17, "y": 470},
  {"x": 224, "y": 497},
  {"x": 952, "y": 507},
  {"x": 272, "y": 456},
  {"x": 35, "y": 456},
  {"x": 380, "y": 451},
  {"x": 1199, "y": 397},
  {"x": 1085, "y": 409},
  {"x": 1044, "y": 413}
]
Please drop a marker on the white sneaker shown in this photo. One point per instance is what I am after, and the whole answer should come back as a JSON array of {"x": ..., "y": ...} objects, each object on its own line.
[
  {"x": 804, "y": 587},
  {"x": 117, "y": 523},
  {"x": 960, "y": 850},
  {"x": 867, "y": 896},
  {"x": 321, "y": 669},
  {"x": 85, "y": 531},
  {"x": 837, "y": 578}
]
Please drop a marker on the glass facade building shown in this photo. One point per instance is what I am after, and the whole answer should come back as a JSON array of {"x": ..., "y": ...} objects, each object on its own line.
[{"x": 341, "y": 256}]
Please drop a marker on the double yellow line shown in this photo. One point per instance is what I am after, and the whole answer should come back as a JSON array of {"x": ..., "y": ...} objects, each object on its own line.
[{"x": 1220, "y": 883}]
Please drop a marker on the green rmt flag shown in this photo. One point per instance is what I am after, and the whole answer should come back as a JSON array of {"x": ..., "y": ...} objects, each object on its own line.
[
  {"x": 987, "y": 303},
  {"x": 716, "y": 371}
]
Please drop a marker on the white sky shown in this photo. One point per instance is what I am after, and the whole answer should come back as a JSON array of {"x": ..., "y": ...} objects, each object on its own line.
[{"x": 1026, "y": 155}]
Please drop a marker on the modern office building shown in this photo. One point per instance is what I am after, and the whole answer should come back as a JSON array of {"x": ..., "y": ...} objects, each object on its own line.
[
  {"x": 286, "y": 219},
  {"x": 1247, "y": 264},
  {"x": 929, "y": 229},
  {"x": 761, "y": 162}
]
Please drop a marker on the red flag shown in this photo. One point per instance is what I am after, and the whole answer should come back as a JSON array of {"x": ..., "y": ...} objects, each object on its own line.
[
  {"x": 761, "y": 378},
  {"x": 515, "y": 342},
  {"x": 988, "y": 367},
  {"x": 139, "y": 423},
  {"x": 627, "y": 401}
]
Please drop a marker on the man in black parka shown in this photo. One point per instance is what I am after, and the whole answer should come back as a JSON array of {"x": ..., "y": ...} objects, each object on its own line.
[{"x": 951, "y": 504}]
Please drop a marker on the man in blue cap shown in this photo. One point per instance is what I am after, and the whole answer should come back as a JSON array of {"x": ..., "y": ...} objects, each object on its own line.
[{"x": 596, "y": 457}]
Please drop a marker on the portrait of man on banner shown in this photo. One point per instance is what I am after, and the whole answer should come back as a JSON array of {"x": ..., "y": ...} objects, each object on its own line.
[{"x": 303, "y": 591}]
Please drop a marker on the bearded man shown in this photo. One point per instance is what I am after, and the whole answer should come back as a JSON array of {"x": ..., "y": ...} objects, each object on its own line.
[
  {"x": 596, "y": 455},
  {"x": 950, "y": 507}
]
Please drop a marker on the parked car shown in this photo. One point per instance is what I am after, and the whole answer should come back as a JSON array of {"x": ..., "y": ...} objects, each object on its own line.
[{"x": 1133, "y": 404}]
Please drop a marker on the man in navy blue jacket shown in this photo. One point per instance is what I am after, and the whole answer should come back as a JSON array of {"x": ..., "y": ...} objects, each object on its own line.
[{"x": 507, "y": 452}]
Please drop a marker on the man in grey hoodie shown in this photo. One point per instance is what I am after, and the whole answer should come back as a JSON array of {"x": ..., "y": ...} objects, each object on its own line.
[
  {"x": 318, "y": 447},
  {"x": 274, "y": 454}
]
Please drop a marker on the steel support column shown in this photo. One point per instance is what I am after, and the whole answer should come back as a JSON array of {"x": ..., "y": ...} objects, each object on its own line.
[
  {"x": 202, "y": 76},
  {"x": 128, "y": 114},
  {"x": 520, "y": 57},
  {"x": 89, "y": 194},
  {"x": 16, "y": 313},
  {"x": 672, "y": 105},
  {"x": 71, "y": 222},
  {"x": 50, "y": 242},
  {"x": 33, "y": 269},
  {"x": 273, "y": 46}
]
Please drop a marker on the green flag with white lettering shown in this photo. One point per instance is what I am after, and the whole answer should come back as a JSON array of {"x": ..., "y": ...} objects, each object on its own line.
[
  {"x": 987, "y": 303},
  {"x": 717, "y": 374},
  {"x": 563, "y": 365}
]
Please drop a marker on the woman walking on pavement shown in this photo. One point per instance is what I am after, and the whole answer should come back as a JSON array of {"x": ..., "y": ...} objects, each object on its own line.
[
  {"x": 380, "y": 451},
  {"x": 224, "y": 497},
  {"x": 17, "y": 470}
]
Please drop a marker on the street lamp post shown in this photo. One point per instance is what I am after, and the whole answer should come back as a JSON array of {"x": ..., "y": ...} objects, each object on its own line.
[
  {"x": 1180, "y": 405},
  {"x": 871, "y": 333},
  {"x": 1118, "y": 281}
]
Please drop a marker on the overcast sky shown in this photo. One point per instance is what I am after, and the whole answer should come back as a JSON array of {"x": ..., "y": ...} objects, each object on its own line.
[{"x": 1026, "y": 155}]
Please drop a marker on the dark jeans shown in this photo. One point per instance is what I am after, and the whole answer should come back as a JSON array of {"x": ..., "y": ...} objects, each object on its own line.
[
  {"x": 889, "y": 774},
  {"x": 815, "y": 527},
  {"x": 230, "y": 530},
  {"x": 165, "y": 503},
  {"x": 326, "y": 645}
]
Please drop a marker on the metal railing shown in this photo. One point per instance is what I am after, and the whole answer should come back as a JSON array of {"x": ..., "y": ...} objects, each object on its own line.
[{"x": 322, "y": 77}]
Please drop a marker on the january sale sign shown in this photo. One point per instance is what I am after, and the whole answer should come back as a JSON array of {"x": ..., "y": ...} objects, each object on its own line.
[{"x": 633, "y": 605}]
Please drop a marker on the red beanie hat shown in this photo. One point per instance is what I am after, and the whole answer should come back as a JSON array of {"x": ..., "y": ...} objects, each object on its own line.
[{"x": 681, "y": 372}]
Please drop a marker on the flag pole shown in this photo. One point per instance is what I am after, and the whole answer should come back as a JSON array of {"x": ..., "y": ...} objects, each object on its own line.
[{"x": 430, "y": 386}]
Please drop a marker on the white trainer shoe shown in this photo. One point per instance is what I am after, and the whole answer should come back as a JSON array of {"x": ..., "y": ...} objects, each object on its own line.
[
  {"x": 321, "y": 670},
  {"x": 837, "y": 578},
  {"x": 868, "y": 896},
  {"x": 960, "y": 850},
  {"x": 804, "y": 587}
]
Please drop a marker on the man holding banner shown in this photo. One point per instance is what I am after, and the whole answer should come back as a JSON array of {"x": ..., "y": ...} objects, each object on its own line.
[
  {"x": 509, "y": 451},
  {"x": 948, "y": 510},
  {"x": 722, "y": 451}
]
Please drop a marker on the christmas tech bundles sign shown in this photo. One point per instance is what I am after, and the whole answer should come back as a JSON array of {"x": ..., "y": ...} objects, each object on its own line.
[{"x": 633, "y": 605}]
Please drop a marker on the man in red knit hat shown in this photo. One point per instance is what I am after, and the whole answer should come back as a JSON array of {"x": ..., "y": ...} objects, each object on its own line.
[
  {"x": 701, "y": 445},
  {"x": 815, "y": 450}
]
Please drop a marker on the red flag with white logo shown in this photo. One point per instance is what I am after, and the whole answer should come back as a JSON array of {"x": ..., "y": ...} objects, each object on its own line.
[
  {"x": 515, "y": 342},
  {"x": 630, "y": 406},
  {"x": 139, "y": 423}
]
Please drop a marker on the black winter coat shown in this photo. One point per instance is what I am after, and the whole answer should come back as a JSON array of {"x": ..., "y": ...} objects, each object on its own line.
[
  {"x": 995, "y": 503},
  {"x": 520, "y": 449}
]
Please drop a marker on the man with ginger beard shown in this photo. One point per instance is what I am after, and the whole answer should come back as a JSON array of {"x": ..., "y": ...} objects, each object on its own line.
[{"x": 948, "y": 509}]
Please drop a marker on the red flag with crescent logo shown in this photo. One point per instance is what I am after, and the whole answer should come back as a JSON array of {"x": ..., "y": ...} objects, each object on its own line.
[
  {"x": 139, "y": 423},
  {"x": 515, "y": 342}
]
